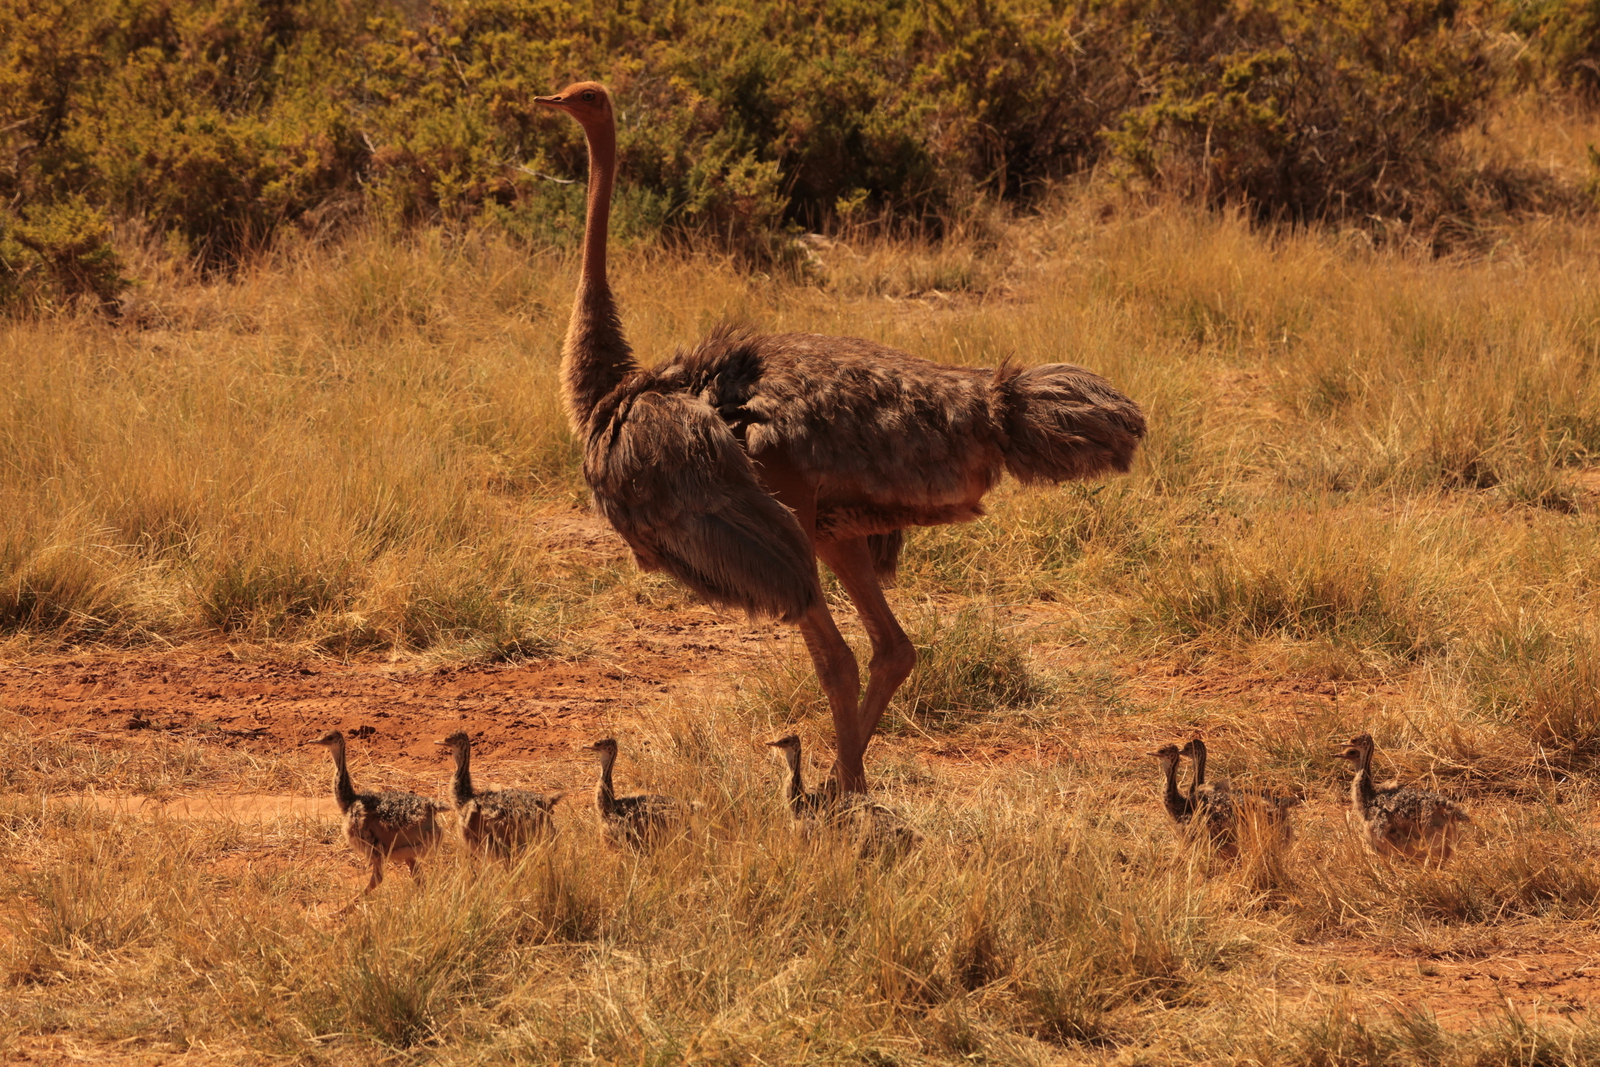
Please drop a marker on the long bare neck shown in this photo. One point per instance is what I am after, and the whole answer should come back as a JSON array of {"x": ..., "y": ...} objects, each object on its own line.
[
  {"x": 596, "y": 357},
  {"x": 462, "y": 782},
  {"x": 1361, "y": 791},
  {"x": 1177, "y": 804},
  {"x": 797, "y": 790},
  {"x": 1199, "y": 769},
  {"x": 343, "y": 792},
  {"x": 605, "y": 797}
]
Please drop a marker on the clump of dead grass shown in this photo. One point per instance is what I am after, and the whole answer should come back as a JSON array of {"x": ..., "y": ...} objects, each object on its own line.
[
  {"x": 972, "y": 668},
  {"x": 147, "y": 764},
  {"x": 1302, "y": 578}
]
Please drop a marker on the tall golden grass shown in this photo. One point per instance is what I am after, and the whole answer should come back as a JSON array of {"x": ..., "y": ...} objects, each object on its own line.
[
  {"x": 350, "y": 449},
  {"x": 1046, "y": 917},
  {"x": 1368, "y": 461},
  {"x": 1368, "y": 472}
]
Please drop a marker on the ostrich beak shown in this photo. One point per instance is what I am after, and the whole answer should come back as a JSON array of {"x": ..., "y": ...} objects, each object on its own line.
[{"x": 550, "y": 101}]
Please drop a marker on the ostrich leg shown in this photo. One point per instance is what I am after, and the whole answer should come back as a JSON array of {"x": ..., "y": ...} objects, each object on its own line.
[
  {"x": 836, "y": 667},
  {"x": 841, "y": 683},
  {"x": 893, "y": 655}
]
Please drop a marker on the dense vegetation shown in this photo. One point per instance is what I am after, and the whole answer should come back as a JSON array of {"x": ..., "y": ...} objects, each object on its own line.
[{"x": 218, "y": 127}]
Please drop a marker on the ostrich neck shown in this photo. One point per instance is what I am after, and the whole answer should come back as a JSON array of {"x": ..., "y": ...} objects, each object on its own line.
[
  {"x": 797, "y": 789},
  {"x": 462, "y": 782},
  {"x": 1176, "y": 801},
  {"x": 605, "y": 796},
  {"x": 343, "y": 792},
  {"x": 1361, "y": 791},
  {"x": 596, "y": 357},
  {"x": 1199, "y": 770}
]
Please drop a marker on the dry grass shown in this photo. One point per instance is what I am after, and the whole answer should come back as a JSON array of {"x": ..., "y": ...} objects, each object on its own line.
[
  {"x": 740, "y": 940},
  {"x": 1057, "y": 919},
  {"x": 1368, "y": 474}
]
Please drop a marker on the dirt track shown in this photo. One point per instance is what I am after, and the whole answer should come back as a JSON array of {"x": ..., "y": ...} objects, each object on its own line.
[{"x": 535, "y": 712}]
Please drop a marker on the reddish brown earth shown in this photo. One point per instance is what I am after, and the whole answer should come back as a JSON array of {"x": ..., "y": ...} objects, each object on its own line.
[
  {"x": 534, "y": 712},
  {"x": 1531, "y": 974},
  {"x": 529, "y": 719},
  {"x": 262, "y": 705}
]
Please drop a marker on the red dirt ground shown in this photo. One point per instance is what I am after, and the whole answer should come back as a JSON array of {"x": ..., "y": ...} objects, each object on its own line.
[
  {"x": 536, "y": 711},
  {"x": 533, "y": 712}
]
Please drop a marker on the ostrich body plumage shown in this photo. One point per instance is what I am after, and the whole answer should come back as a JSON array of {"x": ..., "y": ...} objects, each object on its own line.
[{"x": 739, "y": 463}]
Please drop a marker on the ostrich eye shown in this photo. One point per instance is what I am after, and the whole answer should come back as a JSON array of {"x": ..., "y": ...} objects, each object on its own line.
[{"x": 588, "y": 94}]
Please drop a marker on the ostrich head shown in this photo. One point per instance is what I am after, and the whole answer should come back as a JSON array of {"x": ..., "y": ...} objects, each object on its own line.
[
  {"x": 587, "y": 102},
  {"x": 1360, "y": 748},
  {"x": 331, "y": 740},
  {"x": 1167, "y": 754},
  {"x": 458, "y": 742}
]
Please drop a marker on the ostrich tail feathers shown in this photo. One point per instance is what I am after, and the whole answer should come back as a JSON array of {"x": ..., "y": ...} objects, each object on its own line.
[
  {"x": 1059, "y": 422},
  {"x": 669, "y": 475}
]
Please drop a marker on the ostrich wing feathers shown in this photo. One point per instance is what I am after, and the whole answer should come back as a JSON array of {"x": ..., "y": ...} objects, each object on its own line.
[{"x": 669, "y": 475}]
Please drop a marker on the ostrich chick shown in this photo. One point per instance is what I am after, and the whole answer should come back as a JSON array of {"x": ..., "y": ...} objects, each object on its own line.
[
  {"x": 496, "y": 821},
  {"x": 1260, "y": 808},
  {"x": 1400, "y": 820},
  {"x": 641, "y": 820},
  {"x": 1194, "y": 811},
  {"x": 1195, "y": 750},
  {"x": 877, "y": 829},
  {"x": 381, "y": 826},
  {"x": 1180, "y": 805},
  {"x": 804, "y": 805}
]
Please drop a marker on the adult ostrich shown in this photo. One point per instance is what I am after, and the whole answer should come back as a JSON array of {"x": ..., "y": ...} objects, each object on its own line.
[{"x": 738, "y": 464}]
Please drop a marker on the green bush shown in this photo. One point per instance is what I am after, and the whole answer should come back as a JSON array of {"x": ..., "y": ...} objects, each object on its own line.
[
  {"x": 217, "y": 124},
  {"x": 1333, "y": 109},
  {"x": 209, "y": 121},
  {"x": 59, "y": 252},
  {"x": 735, "y": 121},
  {"x": 220, "y": 122},
  {"x": 1563, "y": 39}
]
